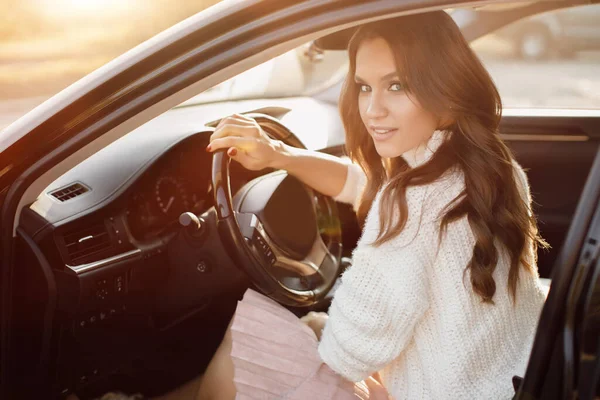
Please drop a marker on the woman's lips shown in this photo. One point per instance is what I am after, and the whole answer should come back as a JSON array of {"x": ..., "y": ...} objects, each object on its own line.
[{"x": 381, "y": 134}]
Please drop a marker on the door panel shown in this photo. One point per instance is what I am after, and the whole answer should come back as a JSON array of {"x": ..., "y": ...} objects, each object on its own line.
[{"x": 556, "y": 153}]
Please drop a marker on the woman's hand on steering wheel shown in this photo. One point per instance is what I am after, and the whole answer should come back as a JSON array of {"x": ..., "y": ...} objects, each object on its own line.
[{"x": 246, "y": 142}]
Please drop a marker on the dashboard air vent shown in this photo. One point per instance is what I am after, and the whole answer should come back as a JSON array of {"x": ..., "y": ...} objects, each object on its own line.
[
  {"x": 86, "y": 242},
  {"x": 69, "y": 192}
]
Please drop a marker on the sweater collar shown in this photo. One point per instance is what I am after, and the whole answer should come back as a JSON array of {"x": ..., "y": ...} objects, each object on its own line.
[{"x": 419, "y": 155}]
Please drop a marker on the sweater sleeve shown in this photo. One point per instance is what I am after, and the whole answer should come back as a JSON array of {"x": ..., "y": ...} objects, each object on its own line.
[
  {"x": 353, "y": 186},
  {"x": 374, "y": 311}
]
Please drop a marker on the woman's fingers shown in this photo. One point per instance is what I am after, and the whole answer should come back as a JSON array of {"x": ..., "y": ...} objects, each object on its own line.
[
  {"x": 376, "y": 390},
  {"x": 234, "y": 130},
  {"x": 313, "y": 315},
  {"x": 316, "y": 321},
  {"x": 245, "y": 141},
  {"x": 245, "y": 160},
  {"x": 241, "y": 143},
  {"x": 235, "y": 120}
]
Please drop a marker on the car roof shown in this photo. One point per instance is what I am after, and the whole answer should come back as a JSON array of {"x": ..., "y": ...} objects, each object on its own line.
[{"x": 474, "y": 21}]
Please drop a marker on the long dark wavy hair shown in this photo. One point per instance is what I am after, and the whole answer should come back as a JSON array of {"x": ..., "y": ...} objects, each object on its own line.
[{"x": 440, "y": 70}]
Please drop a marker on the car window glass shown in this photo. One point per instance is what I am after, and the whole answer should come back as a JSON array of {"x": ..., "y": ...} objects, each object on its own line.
[
  {"x": 549, "y": 60},
  {"x": 299, "y": 72}
]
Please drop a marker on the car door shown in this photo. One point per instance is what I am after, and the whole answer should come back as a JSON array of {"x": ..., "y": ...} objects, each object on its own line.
[
  {"x": 551, "y": 122},
  {"x": 557, "y": 153}
]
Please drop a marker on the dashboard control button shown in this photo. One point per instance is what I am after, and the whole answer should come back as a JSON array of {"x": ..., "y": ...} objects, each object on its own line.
[
  {"x": 119, "y": 284},
  {"x": 264, "y": 247},
  {"x": 102, "y": 294},
  {"x": 102, "y": 289},
  {"x": 202, "y": 267}
]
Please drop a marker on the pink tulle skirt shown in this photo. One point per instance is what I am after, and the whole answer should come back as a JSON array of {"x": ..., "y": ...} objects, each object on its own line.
[{"x": 275, "y": 357}]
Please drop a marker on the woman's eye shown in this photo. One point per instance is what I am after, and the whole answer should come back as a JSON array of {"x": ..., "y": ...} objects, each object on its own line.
[
  {"x": 396, "y": 87},
  {"x": 363, "y": 88}
]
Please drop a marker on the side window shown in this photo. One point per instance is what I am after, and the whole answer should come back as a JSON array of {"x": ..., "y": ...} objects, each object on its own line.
[{"x": 549, "y": 60}]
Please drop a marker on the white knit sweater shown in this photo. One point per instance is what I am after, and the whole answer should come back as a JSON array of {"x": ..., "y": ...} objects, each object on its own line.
[{"x": 405, "y": 309}]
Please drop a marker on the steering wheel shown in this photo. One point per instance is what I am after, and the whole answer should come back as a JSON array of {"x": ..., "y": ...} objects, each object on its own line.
[{"x": 282, "y": 234}]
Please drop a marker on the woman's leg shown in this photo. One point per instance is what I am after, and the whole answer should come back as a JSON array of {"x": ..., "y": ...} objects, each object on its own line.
[
  {"x": 188, "y": 391},
  {"x": 217, "y": 381}
]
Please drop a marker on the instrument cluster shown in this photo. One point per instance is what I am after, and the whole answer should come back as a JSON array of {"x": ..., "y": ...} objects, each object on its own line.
[{"x": 180, "y": 182}]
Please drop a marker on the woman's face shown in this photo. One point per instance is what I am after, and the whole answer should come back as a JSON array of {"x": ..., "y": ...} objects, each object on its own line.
[{"x": 395, "y": 121}]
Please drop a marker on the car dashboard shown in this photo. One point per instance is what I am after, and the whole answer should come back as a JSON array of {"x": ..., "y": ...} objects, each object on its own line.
[{"x": 105, "y": 230}]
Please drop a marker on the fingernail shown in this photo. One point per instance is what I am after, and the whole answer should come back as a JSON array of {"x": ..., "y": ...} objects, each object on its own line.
[
  {"x": 208, "y": 148},
  {"x": 232, "y": 152}
]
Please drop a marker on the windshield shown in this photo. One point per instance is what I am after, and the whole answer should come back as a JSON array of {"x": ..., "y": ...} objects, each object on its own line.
[{"x": 303, "y": 71}]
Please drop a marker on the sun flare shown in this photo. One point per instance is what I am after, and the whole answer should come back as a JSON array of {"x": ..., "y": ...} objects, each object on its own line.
[{"x": 60, "y": 9}]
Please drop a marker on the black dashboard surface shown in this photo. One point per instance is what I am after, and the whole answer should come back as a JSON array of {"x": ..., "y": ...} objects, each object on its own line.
[{"x": 111, "y": 171}]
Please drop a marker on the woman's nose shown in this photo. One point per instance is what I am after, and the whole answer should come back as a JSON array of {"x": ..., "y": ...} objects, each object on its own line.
[{"x": 376, "y": 107}]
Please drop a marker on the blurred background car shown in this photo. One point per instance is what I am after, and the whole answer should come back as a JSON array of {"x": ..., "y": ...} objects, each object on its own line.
[{"x": 559, "y": 34}]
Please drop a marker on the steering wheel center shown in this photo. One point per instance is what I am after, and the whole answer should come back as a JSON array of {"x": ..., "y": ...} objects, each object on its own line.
[{"x": 286, "y": 210}]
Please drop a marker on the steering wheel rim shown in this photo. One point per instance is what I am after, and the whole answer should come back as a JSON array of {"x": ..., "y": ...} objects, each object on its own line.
[{"x": 245, "y": 241}]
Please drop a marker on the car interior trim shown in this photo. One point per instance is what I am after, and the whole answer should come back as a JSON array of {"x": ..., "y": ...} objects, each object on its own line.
[
  {"x": 80, "y": 269},
  {"x": 50, "y": 306}
]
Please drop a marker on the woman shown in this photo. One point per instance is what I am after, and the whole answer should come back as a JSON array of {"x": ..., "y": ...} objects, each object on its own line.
[{"x": 443, "y": 296}]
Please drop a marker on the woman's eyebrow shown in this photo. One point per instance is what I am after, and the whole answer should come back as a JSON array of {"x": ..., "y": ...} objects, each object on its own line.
[{"x": 384, "y": 78}]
